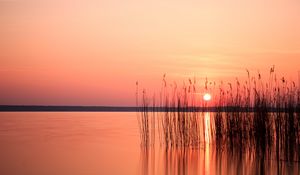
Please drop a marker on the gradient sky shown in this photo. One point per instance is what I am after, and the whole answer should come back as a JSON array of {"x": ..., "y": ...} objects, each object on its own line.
[{"x": 92, "y": 52}]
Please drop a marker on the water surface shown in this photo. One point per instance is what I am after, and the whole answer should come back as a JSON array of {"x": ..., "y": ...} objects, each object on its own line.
[{"x": 109, "y": 143}]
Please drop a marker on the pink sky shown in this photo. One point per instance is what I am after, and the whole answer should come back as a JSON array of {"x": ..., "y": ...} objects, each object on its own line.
[{"x": 93, "y": 52}]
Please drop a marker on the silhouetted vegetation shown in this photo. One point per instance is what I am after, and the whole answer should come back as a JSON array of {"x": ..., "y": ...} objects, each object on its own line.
[{"x": 261, "y": 114}]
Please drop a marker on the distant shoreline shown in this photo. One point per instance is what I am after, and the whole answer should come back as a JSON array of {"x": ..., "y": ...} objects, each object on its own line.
[
  {"x": 37, "y": 108},
  {"x": 40, "y": 108}
]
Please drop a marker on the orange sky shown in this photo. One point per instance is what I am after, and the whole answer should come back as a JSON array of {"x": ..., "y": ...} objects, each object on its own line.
[{"x": 92, "y": 52}]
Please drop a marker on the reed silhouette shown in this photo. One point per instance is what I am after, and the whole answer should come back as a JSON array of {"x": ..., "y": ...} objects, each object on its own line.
[{"x": 256, "y": 113}]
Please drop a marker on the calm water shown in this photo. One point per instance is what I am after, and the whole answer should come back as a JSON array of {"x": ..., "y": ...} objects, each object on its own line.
[{"x": 109, "y": 143}]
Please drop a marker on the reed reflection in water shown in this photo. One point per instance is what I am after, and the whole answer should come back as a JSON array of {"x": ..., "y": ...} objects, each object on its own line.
[{"x": 240, "y": 149}]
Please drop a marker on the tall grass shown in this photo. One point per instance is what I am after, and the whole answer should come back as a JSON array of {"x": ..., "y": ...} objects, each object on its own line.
[{"x": 257, "y": 112}]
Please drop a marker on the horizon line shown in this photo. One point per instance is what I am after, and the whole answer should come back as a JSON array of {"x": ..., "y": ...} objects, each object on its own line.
[{"x": 77, "y": 108}]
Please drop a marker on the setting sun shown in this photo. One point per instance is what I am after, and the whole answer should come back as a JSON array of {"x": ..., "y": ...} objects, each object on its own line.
[{"x": 207, "y": 97}]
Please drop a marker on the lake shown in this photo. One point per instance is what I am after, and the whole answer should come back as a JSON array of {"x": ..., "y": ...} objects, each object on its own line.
[{"x": 74, "y": 143}]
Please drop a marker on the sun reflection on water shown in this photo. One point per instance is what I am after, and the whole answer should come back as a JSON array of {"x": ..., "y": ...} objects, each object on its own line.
[
  {"x": 207, "y": 127},
  {"x": 207, "y": 141}
]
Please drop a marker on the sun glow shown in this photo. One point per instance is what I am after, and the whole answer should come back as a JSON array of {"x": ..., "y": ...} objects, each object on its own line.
[{"x": 206, "y": 97}]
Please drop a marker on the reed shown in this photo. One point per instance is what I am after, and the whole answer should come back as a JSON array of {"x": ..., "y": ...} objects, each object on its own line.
[{"x": 254, "y": 111}]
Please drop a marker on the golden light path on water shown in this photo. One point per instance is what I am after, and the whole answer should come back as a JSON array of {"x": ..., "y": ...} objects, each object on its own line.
[
  {"x": 207, "y": 141},
  {"x": 207, "y": 128}
]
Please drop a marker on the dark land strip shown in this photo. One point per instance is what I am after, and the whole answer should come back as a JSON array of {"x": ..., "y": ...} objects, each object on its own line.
[{"x": 25, "y": 108}]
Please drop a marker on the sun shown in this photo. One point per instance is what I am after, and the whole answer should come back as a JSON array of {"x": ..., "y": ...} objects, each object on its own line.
[{"x": 206, "y": 97}]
